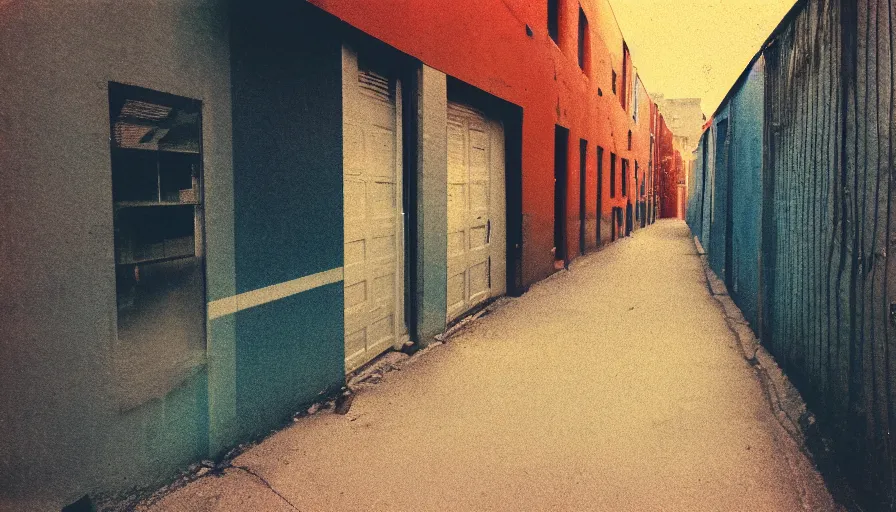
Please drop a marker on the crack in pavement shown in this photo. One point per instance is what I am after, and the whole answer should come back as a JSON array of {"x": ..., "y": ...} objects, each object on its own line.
[{"x": 267, "y": 484}]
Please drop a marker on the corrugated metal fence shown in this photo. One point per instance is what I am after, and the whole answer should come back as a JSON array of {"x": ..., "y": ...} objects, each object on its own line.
[{"x": 826, "y": 280}]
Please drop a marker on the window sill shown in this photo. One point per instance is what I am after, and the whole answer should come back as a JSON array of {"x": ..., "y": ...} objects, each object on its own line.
[{"x": 146, "y": 374}]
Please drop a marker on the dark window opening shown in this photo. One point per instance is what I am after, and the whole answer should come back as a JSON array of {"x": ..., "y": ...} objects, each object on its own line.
[
  {"x": 584, "y": 41},
  {"x": 614, "y": 82},
  {"x": 561, "y": 157},
  {"x": 629, "y": 140},
  {"x": 583, "y": 159},
  {"x": 155, "y": 141},
  {"x": 636, "y": 178},
  {"x": 623, "y": 97},
  {"x": 554, "y": 20},
  {"x": 600, "y": 185},
  {"x": 624, "y": 177},
  {"x": 612, "y": 175}
]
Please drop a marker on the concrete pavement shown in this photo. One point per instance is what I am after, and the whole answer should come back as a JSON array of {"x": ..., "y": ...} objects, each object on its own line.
[{"x": 616, "y": 385}]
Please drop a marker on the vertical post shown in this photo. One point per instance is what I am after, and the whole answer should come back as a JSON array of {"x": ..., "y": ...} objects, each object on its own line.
[{"x": 431, "y": 191}]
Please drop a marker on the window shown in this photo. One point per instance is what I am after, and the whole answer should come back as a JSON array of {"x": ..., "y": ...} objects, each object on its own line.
[
  {"x": 636, "y": 98},
  {"x": 623, "y": 98},
  {"x": 561, "y": 161},
  {"x": 639, "y": 185},
  {"x": 624, "y": 177},
  {"x": 157, "y": 203},
  {"x": 629, "y": 140},
  {"x": 584, "y": 41},
  {"x": 614, "y": 82},
  {"x": 554, "y": 20},
  {"x": 612, "y": 174},
  {"x": 600, "y": 185}
]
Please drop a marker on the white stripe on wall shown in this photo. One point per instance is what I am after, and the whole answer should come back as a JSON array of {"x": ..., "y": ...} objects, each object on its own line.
[{"x": 246, "y": 300}]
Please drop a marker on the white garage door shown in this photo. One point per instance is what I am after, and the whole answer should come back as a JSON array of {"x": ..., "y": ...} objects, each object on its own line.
[
  {"x": 374, "y": 241},
  {"x": 476, "y": 209}
]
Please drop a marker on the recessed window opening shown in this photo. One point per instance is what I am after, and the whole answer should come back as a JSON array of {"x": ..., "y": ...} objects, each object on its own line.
[
  {"x": 561, "y": 159},
  {"x": 624, "y": 177},
  {"x": 157, "y": 177},
  {"x": 612, "y": 174},
  {"x": 554, "y": 20},
  {"x": 584, "y": 41},
  {"x": 623, "y": 98},
  {"x": 600, "y": 185},
  {"x": 636, "y": 100}
]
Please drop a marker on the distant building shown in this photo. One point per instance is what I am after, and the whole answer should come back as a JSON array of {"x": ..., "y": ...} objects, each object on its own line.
[{"x": 685, "y": 118}]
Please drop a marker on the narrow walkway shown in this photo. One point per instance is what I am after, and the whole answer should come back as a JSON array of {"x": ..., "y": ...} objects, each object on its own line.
[{"x": 614, "y": 386}]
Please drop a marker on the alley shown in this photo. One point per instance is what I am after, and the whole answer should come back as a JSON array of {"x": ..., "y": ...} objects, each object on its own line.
[{"x": 614, "y": 386}]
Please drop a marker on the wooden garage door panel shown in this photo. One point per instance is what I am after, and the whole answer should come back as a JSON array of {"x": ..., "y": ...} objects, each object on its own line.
[
  {"x": 475, "y": 208},
  {"x": 374, "y": 246}
]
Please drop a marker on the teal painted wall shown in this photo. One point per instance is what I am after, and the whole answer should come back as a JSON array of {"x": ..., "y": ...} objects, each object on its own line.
[
  {"x": 746, "y": 151},
  {"x": 708, "y": 168},
  {"x": 288, "y": 204},
  {"x": 288, "y": 353},
  {"x": 287, "y": 145},
  {"x": 696, "y": 197},
  {"x": 720, "y": 207}
]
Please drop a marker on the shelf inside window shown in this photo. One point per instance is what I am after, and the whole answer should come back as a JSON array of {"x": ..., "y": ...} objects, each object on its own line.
[
  {"x": 155, "y": 141},
  {"x": 142, "y": 204}
]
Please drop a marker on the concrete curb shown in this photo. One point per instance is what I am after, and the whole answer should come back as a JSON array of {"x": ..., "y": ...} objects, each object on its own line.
[{"x": 784, "y": 400}]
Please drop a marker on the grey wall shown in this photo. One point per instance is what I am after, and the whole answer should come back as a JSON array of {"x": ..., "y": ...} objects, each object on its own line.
[{"x": 61, "y": 433}]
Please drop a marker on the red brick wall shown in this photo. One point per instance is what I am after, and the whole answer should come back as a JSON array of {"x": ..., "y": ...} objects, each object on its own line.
[{"x": 484, "y": 43}]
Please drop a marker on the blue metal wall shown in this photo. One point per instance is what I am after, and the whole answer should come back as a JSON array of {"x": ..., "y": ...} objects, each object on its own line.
[
  {"x": 745, "y": 156},
  {"x": 719, "y": 212},
  {"x": 697, "y": 194},
  {"x": 708, "y": 187},
  {"x": 694, "y": 215},
  {"x": 797, "y": 217}
]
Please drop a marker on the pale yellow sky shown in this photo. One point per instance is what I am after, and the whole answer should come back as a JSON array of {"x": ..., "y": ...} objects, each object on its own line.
[{"x": 696, "y": 48}]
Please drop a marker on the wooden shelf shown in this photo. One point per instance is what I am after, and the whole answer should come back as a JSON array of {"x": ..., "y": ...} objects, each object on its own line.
[
  {"x": 159, "y": 150},
  {"x": 155, "y": 260},
  {"x": 142, "y": 204}
]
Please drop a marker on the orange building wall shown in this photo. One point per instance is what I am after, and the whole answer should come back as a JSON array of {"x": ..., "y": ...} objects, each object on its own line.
[{"x": 485, "y": 44}]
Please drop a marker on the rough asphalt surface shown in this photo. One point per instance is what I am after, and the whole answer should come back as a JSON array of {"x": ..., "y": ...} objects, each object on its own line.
[{"x": 614, "y": 386}]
